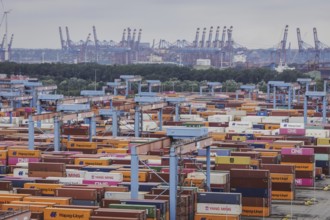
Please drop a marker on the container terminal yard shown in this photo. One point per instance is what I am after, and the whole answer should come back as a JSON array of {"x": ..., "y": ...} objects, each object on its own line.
[{"x": 206, "y": 156}]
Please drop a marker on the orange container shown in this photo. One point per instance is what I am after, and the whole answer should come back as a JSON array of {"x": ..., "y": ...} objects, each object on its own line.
[
  {"x": 281, "y": 178},
  {"x": 64, "y": 214},
  {"x": 301, "y": 166},
  {"x": 94, "y": 162},
  {"x": 143, "y": 176},
  {"x": 255, "y": 211},
  {"x": 46, "y": 189},
  {"x": 18, "y": 207},
  {"x": 23, "y": 153},
  {"x": 56, "y": 200},
  {"x": 112, "y": 150},
  {"x": 282, "y": 195}
]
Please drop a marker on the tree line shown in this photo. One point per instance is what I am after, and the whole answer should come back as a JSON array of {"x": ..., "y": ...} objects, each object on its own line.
[{"x": 71, "y": 78}]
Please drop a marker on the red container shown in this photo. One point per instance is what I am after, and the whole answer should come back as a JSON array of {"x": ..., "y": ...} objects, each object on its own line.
[
  {"x": 304, "y": 182},
  {"x": 279, "y": 168},
  {"x": 15, "y": 160}
]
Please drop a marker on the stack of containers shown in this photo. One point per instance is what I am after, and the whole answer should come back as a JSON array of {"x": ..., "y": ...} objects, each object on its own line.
[
  {"x": 292, "y": 129},
  {"x": 255, "y": 187},
  {"x": 229, "y": 162},
  {"x": 3, "y": 158},
  {"x": 219, "y": 180},
  {"x": 322, "y": 154},
  {"x": 23, "y": 156},
  {"x": 211, "y": 205},
  {"x": 283, "y": 181},
  {"x": 304, "y": 161}
]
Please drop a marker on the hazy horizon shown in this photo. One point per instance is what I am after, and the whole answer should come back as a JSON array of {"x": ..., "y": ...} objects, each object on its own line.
[{"x": 257, "y": 23}]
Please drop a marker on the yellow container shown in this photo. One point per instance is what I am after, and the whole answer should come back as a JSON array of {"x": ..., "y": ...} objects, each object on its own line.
[
  {"x": 323, "y": 141},
  {"x": 3, "y": 154},
  {"x": 81, "y": 145},
  {"x": 48, "y": 204},
  {"x": 282, "y": 195},
  {"x": 66, "y": 213},
  {"x": 218, "y": 136},
  {"x": 281, "y": 178},
  {"x": 46, "y": 188},
  {"x": 272, "y": 126},
  {"x": 301, "y": 166},
  {"x": 255, "y": 162},
  {"x": 89, "y": 161},
  {"x": 8, "y": 199},
  {"x": 268, "y": 154},
  {"x": 143, "y": 176},
  {"x": 49, "y": 199},
  {"x": 232, "y": 160},
  {"x": 238, "y": 138},
  {"x": 112, "y": 150},
  {"x": 23, "y": 153}
]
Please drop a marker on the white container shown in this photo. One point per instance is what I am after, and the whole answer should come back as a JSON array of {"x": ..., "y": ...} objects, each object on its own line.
[
  {"x": 292, "y": 125},
  {"x": 215, "y": 178},
  {"x": 235, "y": 129},
  {"x": 263, "y": 132},
  {"x": 75, "y": 173},
  {"x": 275, "y": 119},
  {"x": 220, "y": 118},
  {"x": 318, "y": 133},
  {"x": 104, "y": 176},
  {"x": 253, "y": 119},
  {"x": 236, "y": 112},
  {"x": 150, "y": 125},
  {"x": 122, "y": 195},
  {"x": 275, "y": 132},
  {"x": 216, "y": 129},
  {"x": 220, "y": 209},
  {"x": 21, "y": 172},
  {"x": 66, "y": 180},
  {"x": 244, "y": 124}
]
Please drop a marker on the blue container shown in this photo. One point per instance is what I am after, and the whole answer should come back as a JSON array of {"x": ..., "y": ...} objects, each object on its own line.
[
  {"x": 221, "y": 106},
  {"x": 257, "y": 145},
  {"x": 320, "y": 163},
  {"x": 3, "y": 169},
  {"x": 143, "y": 187},
  {"x": 249, "y": 192},
  {"x": 262, "y": 113},
  {"x": 220, "y": 198},
  {"x": 258, "y": 126},
  {"x": 219, "y": 152},
  {"x": 249, "y": 136},
  {"x": 217, "y": 190},
  {"x": 99, "y": 169},
  {"x": 19, "y": 183},
  {"x": 84, "y": 202}
]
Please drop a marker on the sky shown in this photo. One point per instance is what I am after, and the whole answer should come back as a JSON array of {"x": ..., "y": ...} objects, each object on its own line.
[{"x": 256, "y": 23}]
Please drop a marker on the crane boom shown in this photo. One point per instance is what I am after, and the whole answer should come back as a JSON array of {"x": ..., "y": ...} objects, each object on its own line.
[
  {"x": 3, "y": 41},
  {"x": 300, "y": 42},
  {"x": 203, "y": 38},
  {"x": 196, "y": 38},
  {"x": 68, "y": 37},
  {"x": 10, "y": 42},
  {"x": 216, "y": 39},
  {"x": 209, "y": 42},
  {"x": 139, "y": 39},
  {"x": 223, "y": 37},
  {"x": 61, "y": 38},
  {"x": 133, "y": 39}
]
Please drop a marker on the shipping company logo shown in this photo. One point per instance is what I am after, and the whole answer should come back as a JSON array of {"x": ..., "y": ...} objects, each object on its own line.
[
  {"x": 53, "y": 214},
  {"x": 231, "y": 160},
  {"x": 81, "y": 162},
  {"x": 296, "y": 151},
  {"x": 14, "y": 153},
  {"x": 206, "y": 208},
  {"x": 20, "y": 173},
  {"x": 285, "y": 125},
  {"x": 234, "y": 124}
]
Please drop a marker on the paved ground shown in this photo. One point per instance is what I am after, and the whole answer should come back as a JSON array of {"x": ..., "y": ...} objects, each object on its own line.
[{"x": 320, "y": 210}]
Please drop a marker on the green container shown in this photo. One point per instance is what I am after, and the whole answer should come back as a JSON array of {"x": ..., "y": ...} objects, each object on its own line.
[
  {"x": 151, "y": 210},
  {"x": 158, "y": 168}
]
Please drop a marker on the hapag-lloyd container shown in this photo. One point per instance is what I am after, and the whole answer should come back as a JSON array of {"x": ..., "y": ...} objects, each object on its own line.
[
  {"x": 304, "y": 182},
  {"x": 292, "y": 131},
  {"x": 222, "y": 209},
  {"x": 297, "y": 151},
  {"x": 292, "y": 125}
]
